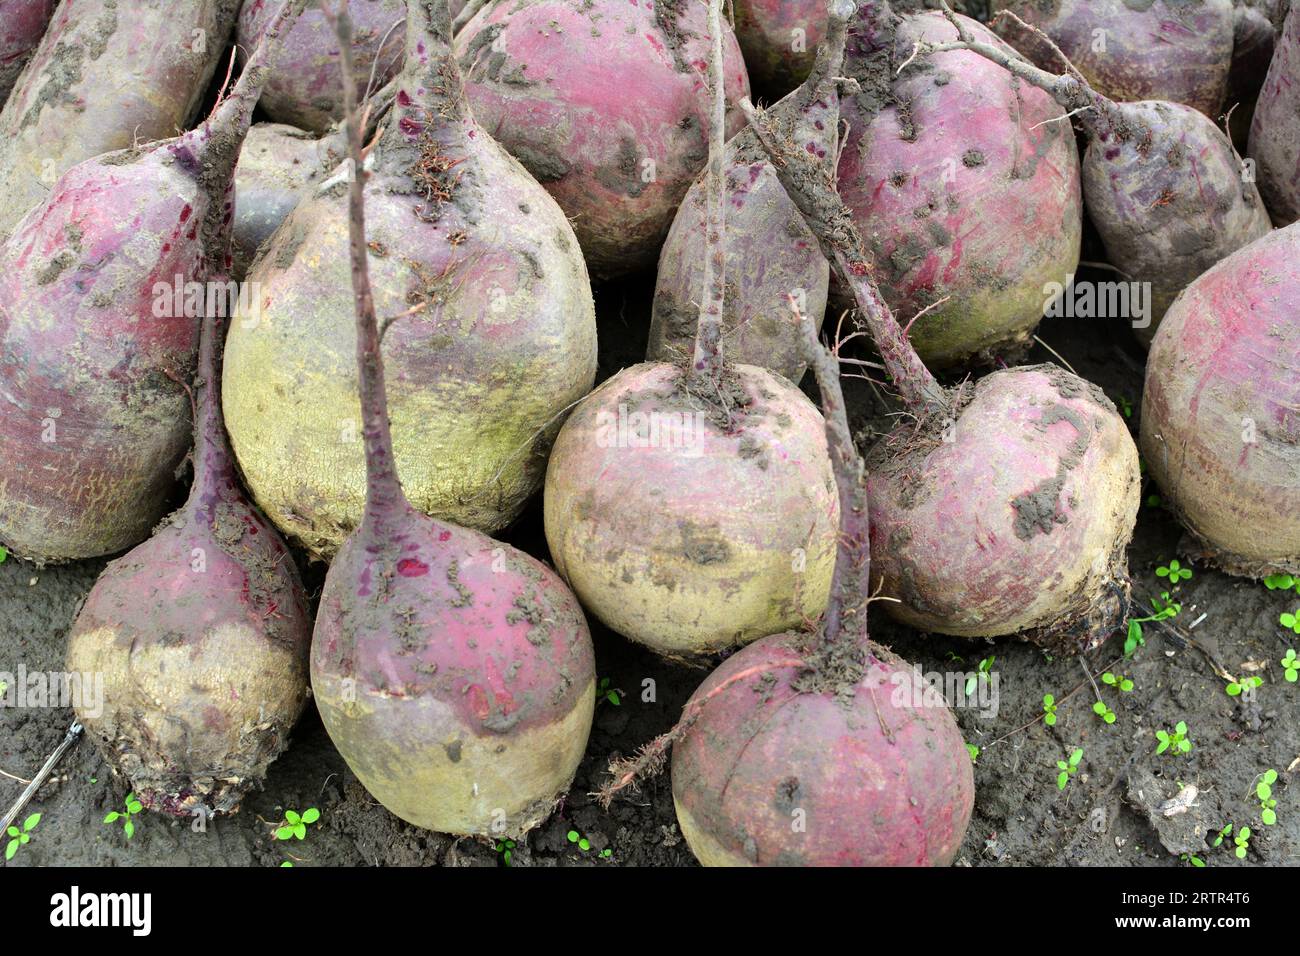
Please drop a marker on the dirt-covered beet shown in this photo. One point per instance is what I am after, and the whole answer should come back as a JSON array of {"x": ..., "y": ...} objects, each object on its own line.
[
  {"x": 1275, "y": 129},
  {"x": 965, "y": 182},
  {"x": 770, "y": 254},
  {"x": 1220, "y": 419},
  {"x": 99, "y": 329},
  {"x": 605, "y": 102},
  {"x": 305, "y": 90},
  {"x": 998, "y": 508},
  {"x": 22, "y": 24},
  {"x": 106, "y": 76},
  {"x": 492, "y": 335},
  {"x": 201, "y": 635},
  {"x": 454, "y": 674},
  {"x": 1175, "y": 50}
]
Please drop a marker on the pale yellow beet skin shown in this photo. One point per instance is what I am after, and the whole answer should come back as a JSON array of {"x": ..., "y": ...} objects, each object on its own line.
[{"x": 694, "y": 554}]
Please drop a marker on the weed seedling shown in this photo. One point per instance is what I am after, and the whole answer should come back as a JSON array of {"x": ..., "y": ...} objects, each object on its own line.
[
  {"x": 507, "y": 850},
  {"x": 1218, "y": 840},
  {"x": 1267, "y": 803},
  {"x": 1242, "y": 839},
  {"x": 974, "y": 753},
  {"x": 295, "y": 824},
  {"x": 1068, "y": 768},
  {"x": 131, "y": 806},
  {"x": 1291, "y": 620},
  {"x": 1049, "y": 710},
  {"x": 1117, "y": 680},
  {"x": 1192, "y": 859},
  {"x": 1291, "y": 665},
  {"x": 1236, "y": 688},
  {"x": 606, "y": 693},
  {"x": 980, "y": 676},
  {"x": 1104, "y": 712},
  {"x": 1177, "y": 740},
  {"x": 1165, "y": 609},
  {"x": 1282, "y": 582},
  {"x": 1174, "y": 571},
  {"x": 3, "y": 554},
  {"x": 21, "y": 837}
]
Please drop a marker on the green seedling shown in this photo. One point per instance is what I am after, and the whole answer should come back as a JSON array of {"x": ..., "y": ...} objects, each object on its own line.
[
  {"x": 507, "y": 850},
  {"x": 1218, "y": 840},
  {"x": 1282, "y": 582},
  {"x": 1242, "y": 840},
  {"x": 1291, "y": 620},
  {"x": 980, "y": 676},
  {"x": 286, "y": 863},
  {"x": 1192, "y": 859},
  {"x": 1177, "y": 740},
  {"x": 1174, "y": 571},
  {"x": 1117, "y": 680},
  {"x": 1236, "y": 688},
  {"x": 3, "y": 554},
  {"x": 1104, "y": 712},
  {"x": 130, "y": 807},
  {"x": 1068, "y": 768},
  {"x": 1049, "y": 710},
  {"x": 295, "y": 824},
  {"x": 606, "y": 693},
  {"x": 21, "y": 837},
  {"x": 1290, "y": 665},
  {"x": 1267, "y": 803},
  {"x": 1165, "y": 609},
  {"x": 974, "y": 752}
]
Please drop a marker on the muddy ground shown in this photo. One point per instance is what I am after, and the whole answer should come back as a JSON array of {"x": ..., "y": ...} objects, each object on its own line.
[{"x": 1108, "y": 814}]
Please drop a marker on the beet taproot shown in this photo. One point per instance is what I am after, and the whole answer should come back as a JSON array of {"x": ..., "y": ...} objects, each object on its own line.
[
  {"x": 304, "y": 90},
  {"x": 99, "y": 327},
  {"x": 770, "y": 254},
  {"x": 1275, "y": 129},
  {"x": 1162, "y": 184},
  {"x": 605, "y": 102},
  {"x": 692, "y": 507},
  {"x": 454, "y": 674},
  {"x": 492, "y": 333},
  {"x": 106, "y": 76},
  {"x": 1004, "y": 508},
  {"x": 22, "y": 24},
  {"x": 1175, "y": 50},
  {"x": 964, "y": 181},
  {"x": 1221, "y": 409}
]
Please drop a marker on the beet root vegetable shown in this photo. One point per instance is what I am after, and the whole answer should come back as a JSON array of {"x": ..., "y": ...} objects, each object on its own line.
[
  {"x": 770, "y": 254},
  {"x": 1220, "y": 427},
  {"x": 778, "y": 38},
  {"x": 94, "y": 342},
  {"x": 824, "y": 728},
  {"x": 1162, "y": 183},
  {"x": 22, "y": 24},
  {"x": 493, "y": 331},
  {"x": 1175, "y": 50},
  {"x": 106, "y": 75},
  {"x": 304, "y": 89},
  {"x": 965, "y": 182},
  {"x": 605, "y": 103},
  {"x": 201, "y": 635},
  {"x": 1275, "y": 129},
  {"x": 1005, "y": 509},
  {"x": 454, "y": 674},
  {"x": 693, "y": 508}
]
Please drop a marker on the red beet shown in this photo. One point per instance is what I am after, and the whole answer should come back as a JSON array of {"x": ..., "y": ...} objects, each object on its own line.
[
  {"x": 454, "y": 673},
  {"x": 96, "y": 420},
  {"x": 779, "y": 39},
  {"x": 304, "y": 88},
  {"x": 201, "y": 635},
  {"x": 964, "y": 182},
  {"x": 1275, "y": 130},
  {"x": 1003, "y": 509},
  {"x": 22, "y": 24},
  {"x": 770, "y": 254},
  {"x": 605, "y": 102},
  {"x": 107, "y": 75},
  {"x": 1221, "y": 408},
  {"x": 1175, "y": 50},
  {"x": 1161, "y": 182}
]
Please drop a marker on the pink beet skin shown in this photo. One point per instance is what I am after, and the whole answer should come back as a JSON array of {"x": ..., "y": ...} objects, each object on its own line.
[
  {"x": 22, "y": 24},
  {"x": 779, "y": 39},
  {"x": 305, "y": 88},
  {"x": 1221, "y": 408},
  {"x": 585, "y": 95},
  {"x": 884, "y": 782},
  {"x": 971, "y": 192},
  {"x": 1275, "y": 130}
]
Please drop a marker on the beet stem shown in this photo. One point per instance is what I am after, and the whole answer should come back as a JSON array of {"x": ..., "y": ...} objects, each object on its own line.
[
  {"x": 384, "y": 496},
  {"x": 213, "y": 466},
  {"x": 707, "y": 363},
  {"x": 811, "y": 186}
]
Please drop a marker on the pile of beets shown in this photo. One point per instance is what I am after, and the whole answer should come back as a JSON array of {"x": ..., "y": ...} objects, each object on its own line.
[{"x": 334, "y": 262}]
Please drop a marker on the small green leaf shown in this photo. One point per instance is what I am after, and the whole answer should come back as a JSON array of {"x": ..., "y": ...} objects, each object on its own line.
[
  {"x": 1050, "y": 720},
  {"x": 584, "y": 844},
  {"x": 300, "y": 831},
  {"x": 135, "y": 806},
  {"x": 1061, "y": 780},
  {"x": 292, "y": 817},
  {"x": 286, "y": 863},
  {"x": 30, "y": 823},
  {"x": 129, "y": 827},
  {"x": 1268, "y": 816},
  {"x": 11, "y": 849},
  {"x": 573, "y": 836},
  {"x": 1196, "y": 861},
  {"x": 1241, "y": 853},
  {"x": 13, "y": 831},
  {"x": 112, "y": 817},
  {"x": 311, "y": 816},
  {"x": 1076, "y": 757},
  {"x": 1233, "y": 690},
  {"x": 284, "y": 833}
]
